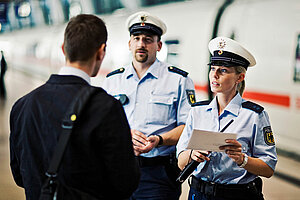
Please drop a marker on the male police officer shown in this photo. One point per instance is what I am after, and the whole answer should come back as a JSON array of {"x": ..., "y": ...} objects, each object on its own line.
[{"x": 156, "y": 97}]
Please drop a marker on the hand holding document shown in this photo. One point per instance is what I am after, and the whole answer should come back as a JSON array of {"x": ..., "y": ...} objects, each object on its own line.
[{"x": 208, "y": 140}]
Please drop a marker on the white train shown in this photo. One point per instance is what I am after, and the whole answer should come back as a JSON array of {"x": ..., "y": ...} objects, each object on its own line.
[{"x": 270, "y": 29}]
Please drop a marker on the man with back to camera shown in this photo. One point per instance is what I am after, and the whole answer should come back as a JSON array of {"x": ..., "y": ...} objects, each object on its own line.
[
  {"x": 156, "y": 97},
  {"x": 99, "y": 158}
]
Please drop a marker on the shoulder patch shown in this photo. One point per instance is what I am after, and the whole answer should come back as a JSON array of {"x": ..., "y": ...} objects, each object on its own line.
[
  {"x": 268, "y": 135},
  {"x": 191, "y": 96},
  {"x": 178, "y": 71},
  {"x": 253, "y": 106},
  {"x": 201, "y": 103},
  {"x": 117, "y": 71}
]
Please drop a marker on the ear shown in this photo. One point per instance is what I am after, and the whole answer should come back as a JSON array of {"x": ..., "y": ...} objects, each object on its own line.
[
  {"x": 159, "y": 45},
  {"x": 241, "y": 77},
  {"x": 129, "y": 44},
  {"x": 63, "y": 48},
  {"x": 101, "y": 52}
]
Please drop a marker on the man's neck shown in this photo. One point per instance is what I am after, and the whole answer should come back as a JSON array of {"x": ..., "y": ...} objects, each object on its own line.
[
  {"x": 141, "y": 68},
  {"x": 79, "y": 66}
]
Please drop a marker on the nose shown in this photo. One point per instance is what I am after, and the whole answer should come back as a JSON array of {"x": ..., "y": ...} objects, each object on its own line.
[{"x": 142, "y": 43}]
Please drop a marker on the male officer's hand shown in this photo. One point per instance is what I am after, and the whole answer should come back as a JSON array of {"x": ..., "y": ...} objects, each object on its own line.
[{"x": 142, "y": 144}]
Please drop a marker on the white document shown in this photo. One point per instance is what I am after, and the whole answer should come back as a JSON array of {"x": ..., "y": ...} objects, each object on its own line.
[{"x": 208, "y": 140}]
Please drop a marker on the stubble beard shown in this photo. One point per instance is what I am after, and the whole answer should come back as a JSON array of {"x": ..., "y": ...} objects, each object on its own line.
[{"x": 141, "y": 59}]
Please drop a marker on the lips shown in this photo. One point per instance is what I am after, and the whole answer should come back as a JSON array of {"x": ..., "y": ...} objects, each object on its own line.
[
  {"x": 141, "y": 51},
  {"x": 215, "y": 83}
]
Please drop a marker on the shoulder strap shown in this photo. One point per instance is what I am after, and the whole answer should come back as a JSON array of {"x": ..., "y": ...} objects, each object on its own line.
[
  {"x": 70, "y": 117},
  {"x": 252, "y": 106},
  {"x": 178, "y": 71},
  {"x": 117, "y": 71},
  {"x": 201, "y": 103}
]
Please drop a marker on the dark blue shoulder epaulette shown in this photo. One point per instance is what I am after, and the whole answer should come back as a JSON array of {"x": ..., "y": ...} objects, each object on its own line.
[
  {"x": 201, "y": 103},
  {"x": 117, "y": 71},
  {"x": 252, "y": 106},
  {"x": 178, "y": 71}
]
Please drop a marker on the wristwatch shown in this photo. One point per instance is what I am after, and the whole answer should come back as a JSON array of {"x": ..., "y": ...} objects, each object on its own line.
[
  {"x": 160, "y": 141},
  {"x": 245, "y": 161}
]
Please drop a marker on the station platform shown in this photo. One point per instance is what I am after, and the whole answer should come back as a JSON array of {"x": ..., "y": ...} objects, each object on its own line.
[{"x": 284, "y": 185}]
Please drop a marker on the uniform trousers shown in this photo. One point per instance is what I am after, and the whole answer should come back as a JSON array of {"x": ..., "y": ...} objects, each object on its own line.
[{"x": 157, "y": 183}]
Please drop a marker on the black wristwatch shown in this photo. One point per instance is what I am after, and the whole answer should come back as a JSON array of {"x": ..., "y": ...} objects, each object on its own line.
[{"x": 161, "y": 141}]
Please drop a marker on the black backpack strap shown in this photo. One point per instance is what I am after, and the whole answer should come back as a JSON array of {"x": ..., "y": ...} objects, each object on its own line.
[{"x": 72, "y": 114}]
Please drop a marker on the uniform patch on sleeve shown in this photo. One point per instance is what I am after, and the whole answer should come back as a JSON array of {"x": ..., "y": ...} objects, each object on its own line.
[
  {"x": 268, "y": 135},
  {"x": 191, "y": 96}
]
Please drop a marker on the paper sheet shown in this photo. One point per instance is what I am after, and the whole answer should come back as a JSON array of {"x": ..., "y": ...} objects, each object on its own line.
[{"x": 208, "y": 140}]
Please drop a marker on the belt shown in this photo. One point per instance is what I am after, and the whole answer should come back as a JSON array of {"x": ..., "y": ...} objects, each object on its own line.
[
  {"x": 153, "y": 161},
  {"x": 230, "y": 191}
]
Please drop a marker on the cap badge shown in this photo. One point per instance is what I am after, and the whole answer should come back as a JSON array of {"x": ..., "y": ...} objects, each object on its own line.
[
  {"x": 222, "y": 44},
  {"x": 220, "y": 52},
  {"x": 143, "y": 20}
]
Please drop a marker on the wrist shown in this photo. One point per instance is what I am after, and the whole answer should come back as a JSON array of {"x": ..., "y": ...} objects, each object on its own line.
[
  {"x": 160, "y": 141},
  {"x": 245, "y": 161}
]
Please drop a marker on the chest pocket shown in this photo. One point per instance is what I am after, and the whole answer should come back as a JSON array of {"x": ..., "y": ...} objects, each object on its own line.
[{"x": 159, "y": 109}]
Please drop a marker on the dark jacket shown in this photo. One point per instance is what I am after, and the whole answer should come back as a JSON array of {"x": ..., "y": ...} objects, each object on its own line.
[{"x": 99, "y": 158}]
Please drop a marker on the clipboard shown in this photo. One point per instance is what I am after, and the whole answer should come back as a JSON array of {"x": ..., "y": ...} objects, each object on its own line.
[{"x": 208, "y": 140}]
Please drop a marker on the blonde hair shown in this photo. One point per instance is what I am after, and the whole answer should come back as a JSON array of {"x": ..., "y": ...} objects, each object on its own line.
[{"x": 241, "y": 86}]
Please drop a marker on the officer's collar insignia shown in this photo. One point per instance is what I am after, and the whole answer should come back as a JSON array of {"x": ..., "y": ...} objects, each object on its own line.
[
  {"x": 220, "y": 52},
  {"x": 191, "y": 96},
  {"x": 268, "y": 135},
  {"x": 143, "y": 20},
  {"x": 221, "y": 44}
]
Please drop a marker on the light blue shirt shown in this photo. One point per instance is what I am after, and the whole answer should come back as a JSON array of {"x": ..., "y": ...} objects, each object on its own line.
[
  {"x": 74, "y": 72},
  {"x": 250, "y": 127},
  {"x": 157, "y": 102}
]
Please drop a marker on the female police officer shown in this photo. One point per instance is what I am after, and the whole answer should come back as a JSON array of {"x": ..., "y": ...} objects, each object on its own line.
[{"x": 232, "y": 173}]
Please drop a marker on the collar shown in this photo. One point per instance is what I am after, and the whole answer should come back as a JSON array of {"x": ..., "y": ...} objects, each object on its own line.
[
  {"x": 66, "y": 70},
  {"x": 233, "y": 107},
  {"x": 153, "y": 70}
]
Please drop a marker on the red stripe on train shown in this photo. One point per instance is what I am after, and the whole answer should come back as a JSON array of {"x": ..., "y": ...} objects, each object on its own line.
[{"x": 277, "y": 99}]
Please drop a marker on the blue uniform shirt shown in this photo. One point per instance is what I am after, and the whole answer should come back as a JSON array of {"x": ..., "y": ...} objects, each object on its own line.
[
  {"x": 158, "y": 102},
  {"x": 251, "y": 128}
]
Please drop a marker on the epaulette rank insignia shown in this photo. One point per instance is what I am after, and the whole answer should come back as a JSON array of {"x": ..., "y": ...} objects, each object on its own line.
[
  {"x": 178, "y": 71},
  {"x": 253, "y": 106},
  {"x": 117, "y": 71},
  {"x": 201, "y": 103}
]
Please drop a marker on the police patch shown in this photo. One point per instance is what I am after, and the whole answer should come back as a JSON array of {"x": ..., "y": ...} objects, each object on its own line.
[
  {"x": 268, "y": 135},
  {"x": 191, "y": 96}
]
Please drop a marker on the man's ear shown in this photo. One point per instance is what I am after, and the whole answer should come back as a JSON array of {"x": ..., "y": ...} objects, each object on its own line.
[
  {"x": 159, "y": 45},
  {"x": 63, "y": 48},
  {"x": 101, "y": 52}
]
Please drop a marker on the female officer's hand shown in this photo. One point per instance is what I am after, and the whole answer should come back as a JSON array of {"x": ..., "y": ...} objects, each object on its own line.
[
  {"x": 198, "y": 156},
  {"x": 234, "y": 151}
]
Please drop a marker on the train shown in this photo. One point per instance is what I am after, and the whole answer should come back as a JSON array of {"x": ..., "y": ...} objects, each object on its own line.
[{"x": 270, "y": 29}]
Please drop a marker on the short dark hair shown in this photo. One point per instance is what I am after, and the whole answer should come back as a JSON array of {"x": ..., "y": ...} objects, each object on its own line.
[{"x": 83, "y": 36}]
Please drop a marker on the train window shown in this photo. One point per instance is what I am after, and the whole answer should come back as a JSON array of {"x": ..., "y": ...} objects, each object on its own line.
[
  {"x": 297, "y": 63},
  {"x": 156, "y": 2},
  {"x": 172, "y": 51},
  {"x": 106, "y": 6}
]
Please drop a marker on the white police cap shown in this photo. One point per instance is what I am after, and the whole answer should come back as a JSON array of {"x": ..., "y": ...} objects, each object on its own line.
[
  {"x": 224, "y": 49},
  {"x": 145, "y": 22}
]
